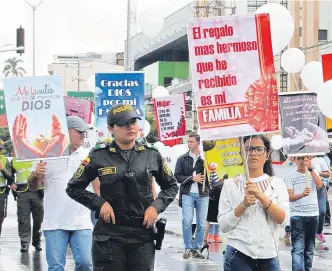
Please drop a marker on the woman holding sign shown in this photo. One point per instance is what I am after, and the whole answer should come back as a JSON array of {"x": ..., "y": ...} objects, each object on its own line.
[{"x": 252, "y": 211}]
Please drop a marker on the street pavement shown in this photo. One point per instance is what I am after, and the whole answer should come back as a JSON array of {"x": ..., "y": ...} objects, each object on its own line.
[{"x": 169, "y": 258}]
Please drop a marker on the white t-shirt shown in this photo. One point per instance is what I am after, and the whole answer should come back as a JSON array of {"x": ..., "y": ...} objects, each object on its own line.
[
  {"x": 253, "y": 233},
  {"x": 60, "y": 211},
  {"x": 194, "y": 185},
  {"x": 307, "y": 206}
]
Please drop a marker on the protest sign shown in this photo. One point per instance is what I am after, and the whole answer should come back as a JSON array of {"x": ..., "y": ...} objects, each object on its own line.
[
  {"x": 327, "y": 72},
  {"x": 114, "y": 88},
  {"x": 233, "y": 75},
  {"x": 36, "y": 117},
  {"x": 79, "y": 107},
  {"x": 82, "y": 108},
  {"x": 222, "y": 157},
  {"x": 303, "y": 124},
  {"x": 84, "y": 95},
  {"x": 170, "y": 116}
]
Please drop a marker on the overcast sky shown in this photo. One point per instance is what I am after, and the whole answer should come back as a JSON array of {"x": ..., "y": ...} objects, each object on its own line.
[{"x": 69, "y": 26}]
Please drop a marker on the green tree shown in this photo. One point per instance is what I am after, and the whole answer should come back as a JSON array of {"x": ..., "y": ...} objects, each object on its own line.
[
  {"x": 5, "y": 136},
  {"x": 13, "y": 67},
  {"x": 150, "y": 117},
  {"x": 153, "y": 135}
]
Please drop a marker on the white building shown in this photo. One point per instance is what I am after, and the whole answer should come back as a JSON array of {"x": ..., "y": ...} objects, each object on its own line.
[{"x": 76, "y": 69}]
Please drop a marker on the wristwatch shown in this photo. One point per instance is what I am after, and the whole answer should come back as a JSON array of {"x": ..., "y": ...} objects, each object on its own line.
[{"x": 311, "y": 169}]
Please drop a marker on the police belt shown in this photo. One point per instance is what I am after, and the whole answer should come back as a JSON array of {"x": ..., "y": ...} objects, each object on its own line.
[
  {"x": 130, "y": 221},
  {"x": 22, "y": 186}
]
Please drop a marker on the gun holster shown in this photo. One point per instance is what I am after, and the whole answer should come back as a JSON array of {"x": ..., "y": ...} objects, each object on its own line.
[
  {"x": 159, "y": 232},
  {"x": 40, "y": 193}
]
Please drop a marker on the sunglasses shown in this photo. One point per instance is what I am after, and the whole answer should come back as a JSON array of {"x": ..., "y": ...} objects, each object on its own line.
[
  {"x": 131, "y": 122},
  {"x": 258, "y": 150}
]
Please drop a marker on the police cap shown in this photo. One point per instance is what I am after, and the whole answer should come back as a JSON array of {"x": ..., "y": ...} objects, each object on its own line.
[{"x": 121, "y": 114}]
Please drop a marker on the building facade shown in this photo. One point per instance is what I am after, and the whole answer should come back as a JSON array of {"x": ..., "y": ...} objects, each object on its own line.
[
  {"x": 313, "y": 34},
  {"x": 75, "y": 69}
]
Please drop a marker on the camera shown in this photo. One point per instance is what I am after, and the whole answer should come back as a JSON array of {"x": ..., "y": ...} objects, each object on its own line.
[{"x": 159, "y": 232}]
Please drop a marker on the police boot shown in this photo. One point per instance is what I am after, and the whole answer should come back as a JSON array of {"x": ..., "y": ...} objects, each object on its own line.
[
  {"x": 38, "y": 247},
  {"x": 24, "y": 247}
]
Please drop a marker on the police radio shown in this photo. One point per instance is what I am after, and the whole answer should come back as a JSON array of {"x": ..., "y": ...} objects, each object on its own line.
[{"x": 159, "y": 232}]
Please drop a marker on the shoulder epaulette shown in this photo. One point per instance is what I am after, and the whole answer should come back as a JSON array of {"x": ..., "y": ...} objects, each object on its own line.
[{"x": 100, "y": 146}]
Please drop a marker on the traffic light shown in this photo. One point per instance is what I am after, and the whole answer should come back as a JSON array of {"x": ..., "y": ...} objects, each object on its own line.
[{"x": 20, "y": 39}]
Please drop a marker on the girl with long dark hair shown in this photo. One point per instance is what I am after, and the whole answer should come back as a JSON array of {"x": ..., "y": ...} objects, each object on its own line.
[{"x": 251, "y": 212}]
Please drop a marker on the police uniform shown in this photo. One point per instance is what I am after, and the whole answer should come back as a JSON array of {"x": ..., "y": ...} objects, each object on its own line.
[
  {"x": 126, "y": 245},
  {"x": 28, "y": 202},
  {"x": 6, "y": 179}
]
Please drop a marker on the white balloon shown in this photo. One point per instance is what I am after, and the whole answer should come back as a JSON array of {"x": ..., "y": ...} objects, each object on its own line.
[
  {"x": 147, "y": 128},
  {"x": 312, "y": 75},
  {"x": 160, "y": 91},
  {"x": 276, "y": 142},
  {"x": 92, "y": 83},
  {"x": 282, "y": 25},
  {"x": 293, "y": 60},
  {"x": 324, "y": 98},
  {"x": 151, "y": 21}
]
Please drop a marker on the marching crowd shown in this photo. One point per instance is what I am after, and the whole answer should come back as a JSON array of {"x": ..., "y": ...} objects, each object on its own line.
[
  {"x": 103, "y": 204},
  {"x": 251, "y": 211}
]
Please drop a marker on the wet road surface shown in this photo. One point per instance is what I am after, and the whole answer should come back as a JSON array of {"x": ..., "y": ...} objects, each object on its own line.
[{"x": 169, "y": 258}]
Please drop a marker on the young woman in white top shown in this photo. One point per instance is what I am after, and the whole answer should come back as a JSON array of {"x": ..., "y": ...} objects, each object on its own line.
[{"x": 252, "y": 212}]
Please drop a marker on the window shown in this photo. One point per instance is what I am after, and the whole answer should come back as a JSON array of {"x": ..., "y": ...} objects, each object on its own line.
[
  {"x": 283, "y": 82},
  {"x": 168, "y": 81},
  {"x": 322, "y": 34},
  {"x": 253, "y": 5}
]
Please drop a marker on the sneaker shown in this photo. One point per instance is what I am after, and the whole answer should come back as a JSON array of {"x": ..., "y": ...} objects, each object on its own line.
[
  {"x": 320, "y": 238},
  {"x": 24, "y": 247},
  {"x": 196, "y": 254},
  {"x": 187, "y": 254},
  {"x": 211, "y": 238},
  {"x": 287, "y": 238},
  {"x": 217, "y": 238},
  {"x": 287, "y": 235},
  {"x": 38, "y": 247},
  {"x": 327, "y": 224}
]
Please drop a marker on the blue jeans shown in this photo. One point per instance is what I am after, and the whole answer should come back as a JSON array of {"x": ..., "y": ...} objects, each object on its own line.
[
  {"x": 189, "y": 202},
  {"x": 235, "y": 260},
  {"x": 303, "y": 231},
  {"x": 214, "y": 229},
  {"x": 56, "y": 249},
  {"x": 321, "y": 195}
]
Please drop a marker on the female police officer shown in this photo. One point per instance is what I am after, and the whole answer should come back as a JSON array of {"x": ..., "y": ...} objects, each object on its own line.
[{"x": 123, "y": 237}]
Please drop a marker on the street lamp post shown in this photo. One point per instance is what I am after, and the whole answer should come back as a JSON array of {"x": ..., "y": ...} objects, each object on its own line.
[
  {"x": 34, "y": 8},
  {"x": 128, "y": 53}
]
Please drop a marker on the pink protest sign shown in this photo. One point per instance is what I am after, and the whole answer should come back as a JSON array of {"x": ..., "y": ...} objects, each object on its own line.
[{"x": 79, "y": 107}]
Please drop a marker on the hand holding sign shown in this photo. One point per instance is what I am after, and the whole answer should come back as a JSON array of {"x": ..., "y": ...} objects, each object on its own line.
[{"x": 319, "y": 139}]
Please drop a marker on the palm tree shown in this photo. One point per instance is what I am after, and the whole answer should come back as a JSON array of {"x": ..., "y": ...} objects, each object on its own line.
[{"x": 12, "y": 67}]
